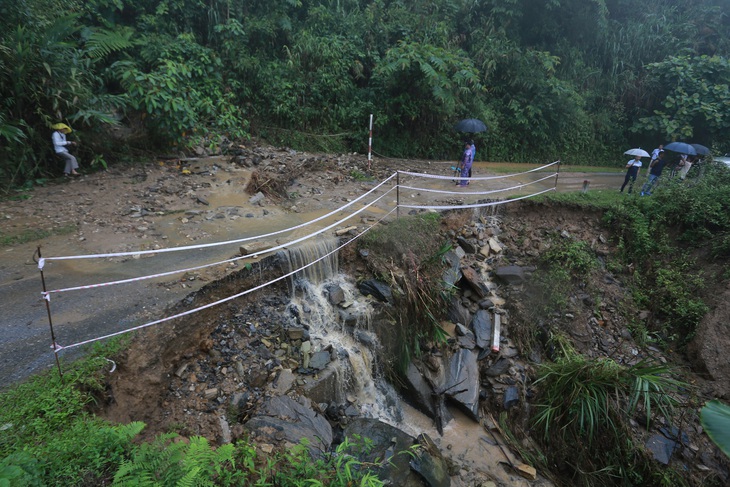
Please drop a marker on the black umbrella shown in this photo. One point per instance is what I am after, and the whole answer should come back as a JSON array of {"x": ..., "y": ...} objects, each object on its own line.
[
  {"x": 471, "y": 125},
  {"x": 681, "y": 147},
  {"x": 701, "y": 149}
]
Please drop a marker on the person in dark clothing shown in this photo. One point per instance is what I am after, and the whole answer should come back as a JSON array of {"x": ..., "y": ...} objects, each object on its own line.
[
  {"x": 465, "y": 164},
  {"x": 655, "y": 170},
  {"x": 632, "y": 170}
]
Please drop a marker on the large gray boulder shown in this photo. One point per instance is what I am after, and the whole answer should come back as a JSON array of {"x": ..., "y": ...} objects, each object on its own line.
[{"x": 282, "y": 419}]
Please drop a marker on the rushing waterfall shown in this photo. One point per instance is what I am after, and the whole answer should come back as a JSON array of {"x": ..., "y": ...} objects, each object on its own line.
[
  {"x": 307, "y": 252},
  {"x": 346, "y": 328}
]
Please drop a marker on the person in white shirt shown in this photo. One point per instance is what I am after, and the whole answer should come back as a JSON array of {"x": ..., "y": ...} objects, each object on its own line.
[
  {"x": 59, "y": 145},
  {"x": 685, "y": 164}
]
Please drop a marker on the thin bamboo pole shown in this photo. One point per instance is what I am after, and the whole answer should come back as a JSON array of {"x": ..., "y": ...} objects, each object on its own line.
[{"x": 50, "y": 319}]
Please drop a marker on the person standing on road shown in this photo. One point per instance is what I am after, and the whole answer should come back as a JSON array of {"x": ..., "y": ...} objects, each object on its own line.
[
  {"x": 655, "y": 156},
  {"x": 465, "y": 164},
  {"x": 632, "y": 170},
  {"x": 473, "y": 155},
  {"x": 684, "y": 166},
  {"x": 59, "y": 145},
  {"x": 656, "y": 167}
]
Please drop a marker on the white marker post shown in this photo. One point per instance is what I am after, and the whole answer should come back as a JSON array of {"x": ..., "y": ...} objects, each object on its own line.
[
  {"x": 370, "y": 142},
  {"x": 495, "y": 339}
]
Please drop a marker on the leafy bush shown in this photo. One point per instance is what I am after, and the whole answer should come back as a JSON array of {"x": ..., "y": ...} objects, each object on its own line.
[
  {"x": 584, "y": 402},
  {"x": 50, "y": 436}
]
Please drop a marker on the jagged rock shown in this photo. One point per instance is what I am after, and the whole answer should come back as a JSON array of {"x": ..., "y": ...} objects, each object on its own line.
[
  {"x": 335, "y": 294},
  {"x": 461, "y": 330},
  {"x": 388, "y": 443},
  {"x": 475, "y": 282},
  {"x": 430, "y": 464},
  {"x": 661, "y": 448},
  {"x": 481, "y": 324},
  {"x": 283, "y": 382},
  {"x": 376, "y": 289},
  {"x": 419, "y": 392},
  {"x": 452, "y": 274},
  {"x": 282, "y": 418},
  {"x": 527, "y": 471},
  {"x": 462, "y": 381},
  {"x": 467, "y": 341},
  {"x": 457, "y": 312},
  {"x": 511, "y": 274},
  {"x": 295, "y": 333},
  {"x": 255, "y": 248},
  {"x": 511, "y": 397},
  {"x": 257, "y": 198},
  {"x": 499, "y": 367},
  {"x": 320, "y": 360},
  {"x": 468, "y": 247},
  {"x": 225, "y": 429},
  {"x": 327, "y": 386},
  {"x": 495, "y": 246}
]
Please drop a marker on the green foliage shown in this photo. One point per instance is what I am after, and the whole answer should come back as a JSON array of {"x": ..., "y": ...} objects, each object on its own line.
[
  {"x": 555, "y": 79},
  {"x": 575, "y": 256},
  {"x": 585, "y": 401},
  {"x": 168, "y": 462},
  {"x": 179, "y": 91},
  {"x": 715, "y": 419},
  {"x": 48, "y": 433},
  {"x": 564, "y": 262},
  {"x": 695, "y": 97},
  {"x": 48, "y": 438}
]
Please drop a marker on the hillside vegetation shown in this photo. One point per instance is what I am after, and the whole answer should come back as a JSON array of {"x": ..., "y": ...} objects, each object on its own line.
[{"x": 579, "y": 80}]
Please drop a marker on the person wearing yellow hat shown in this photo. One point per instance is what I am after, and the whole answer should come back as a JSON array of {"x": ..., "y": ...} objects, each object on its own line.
[{"x": 59, "y": 145}]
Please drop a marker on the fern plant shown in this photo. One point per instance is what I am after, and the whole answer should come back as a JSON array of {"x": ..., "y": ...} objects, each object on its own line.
[{"x": 169, "y": 461}]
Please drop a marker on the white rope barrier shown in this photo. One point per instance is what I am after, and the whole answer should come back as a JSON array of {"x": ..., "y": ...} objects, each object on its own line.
[
  {"x": 479, "y": 178},
  {"x": 46, "y": 294},
  {"x": 492, "y": 191},
  {"x": 214, "y": 244},
  {"x": 181, "y": 271},
  {"x": 58, "y": 347},
  {"x": 477, "y": 205}
]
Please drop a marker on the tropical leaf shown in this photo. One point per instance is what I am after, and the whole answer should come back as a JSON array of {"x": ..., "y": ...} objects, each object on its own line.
[
  {"x": 103, "y": 42},
  {"x": 715, "y": 419}
]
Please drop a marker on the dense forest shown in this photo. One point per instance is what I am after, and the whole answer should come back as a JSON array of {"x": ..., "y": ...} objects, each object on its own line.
[{"x": 580, "y": 80}]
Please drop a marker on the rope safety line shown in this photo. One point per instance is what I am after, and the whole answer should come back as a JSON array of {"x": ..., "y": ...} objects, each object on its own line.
[
  {"x": 428, "y": 190},
  {"x": 46, "y": 294},
  {"x": 478, "y": 205},
  {"x": 58, "y": 348},
  {"x": 42, "y": 261},
  {"x": 480, "y": 178}
]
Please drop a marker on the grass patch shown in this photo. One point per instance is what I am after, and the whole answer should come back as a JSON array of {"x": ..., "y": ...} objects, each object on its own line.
[
  {"x": 33, "y": 234},
  {"x": 583, "y": 415},
  {"x": 517, "y": 167}
]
